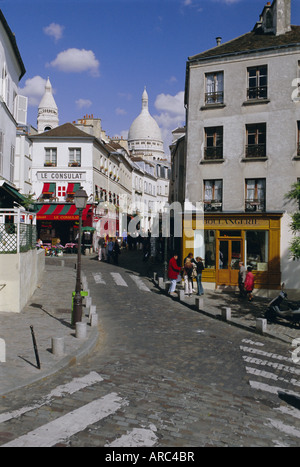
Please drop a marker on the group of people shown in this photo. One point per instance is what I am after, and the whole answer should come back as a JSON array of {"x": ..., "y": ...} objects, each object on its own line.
[
  {"x": 109, "y": 250},
  {"x": 192, "y": 268}
]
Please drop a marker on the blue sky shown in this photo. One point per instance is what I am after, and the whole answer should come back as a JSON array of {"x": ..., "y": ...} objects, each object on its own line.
[{"x": 99, "y": 54}]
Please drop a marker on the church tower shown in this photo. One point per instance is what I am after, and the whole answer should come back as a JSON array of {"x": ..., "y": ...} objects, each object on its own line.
[{"x": 47, "y": 112}]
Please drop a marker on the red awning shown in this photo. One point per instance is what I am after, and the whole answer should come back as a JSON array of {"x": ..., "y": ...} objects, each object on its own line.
[
  {"x": 48, "y": 188},
  {"x": 60, "y": 212},
  {"x": 72, "y": 188}
]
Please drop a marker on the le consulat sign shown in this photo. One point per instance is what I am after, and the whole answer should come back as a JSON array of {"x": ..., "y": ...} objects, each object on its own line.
[{"x": 60, "y": 176}]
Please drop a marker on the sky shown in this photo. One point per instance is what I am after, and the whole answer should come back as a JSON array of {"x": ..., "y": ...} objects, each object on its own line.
[{"x": 100, "y": 54}]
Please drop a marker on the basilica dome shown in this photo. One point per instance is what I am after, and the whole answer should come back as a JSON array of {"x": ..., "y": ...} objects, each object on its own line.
[{"x": 144, "y": 135}]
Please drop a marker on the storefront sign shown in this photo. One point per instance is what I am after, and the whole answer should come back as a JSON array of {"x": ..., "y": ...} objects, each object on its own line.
[
  {"x": 48, "y": 176},
  {"x": 236, "y": 222}
]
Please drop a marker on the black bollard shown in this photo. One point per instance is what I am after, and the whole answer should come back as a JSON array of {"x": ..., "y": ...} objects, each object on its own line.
[{"x": 35, "y": 348}]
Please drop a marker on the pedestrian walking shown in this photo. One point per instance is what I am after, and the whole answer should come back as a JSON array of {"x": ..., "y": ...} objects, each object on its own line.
[
  {"x": 249, "y": 283},
  {"x": 242, "y": 277},
  {"x": 199, "y": 268},
  {"x": 116, "y": 251},
  {"x": 188, "y": 274},
  {"x": 110, "y": 247},
  {"x": 173, "y": 274},
  {"x": 101, "y": 249}
]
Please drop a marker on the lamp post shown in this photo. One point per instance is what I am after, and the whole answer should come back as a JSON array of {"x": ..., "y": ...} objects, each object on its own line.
[{"x": 80, "y": 199}]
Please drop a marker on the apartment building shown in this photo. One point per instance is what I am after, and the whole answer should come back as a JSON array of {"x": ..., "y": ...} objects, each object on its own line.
[{"x": 242, "y": 152}]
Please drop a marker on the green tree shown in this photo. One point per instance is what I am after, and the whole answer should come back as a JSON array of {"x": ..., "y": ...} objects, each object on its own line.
[{"x": 294, "y": 196}]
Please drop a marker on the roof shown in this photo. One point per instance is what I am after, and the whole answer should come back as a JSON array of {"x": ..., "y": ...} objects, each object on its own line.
[
  {"x": 252, "y": 41},
  {"x": 13, "y": 42},
  {"x": 67, "y": 130}
]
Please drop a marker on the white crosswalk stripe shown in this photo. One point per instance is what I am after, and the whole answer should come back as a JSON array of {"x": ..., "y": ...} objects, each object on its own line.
[
  {"x": 139, "y": 283},
  {"x": 68, "y": 425},
  {"x": 283, "y": 372},
  {"x": 75, "y": 385},
  {"x": 119, "y": 280}
]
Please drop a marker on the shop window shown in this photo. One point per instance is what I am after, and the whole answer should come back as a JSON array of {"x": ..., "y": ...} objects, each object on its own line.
[
  {"x": 257, "y": 83},
  {"x": 74, "y": 157},
  {"x": 213, "y": 143},
  {"x": 256, "y": 135},
  {"x": 205, "y": 247},
  {"x": 50, "y": 157},
  {"x": 255, "y": 196},
  {"x": 256, "y": 249},
  {"x": 214, "y": 88},
  {"x": 213, "y": 195}
]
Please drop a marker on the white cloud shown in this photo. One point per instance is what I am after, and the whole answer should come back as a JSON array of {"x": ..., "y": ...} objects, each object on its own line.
[
  {"x": 171, "y": 104},
  {"x": 120, "y": 111},
  {"x": 83, "y": 103},
  {"x": 171, "y": 116},
  {"x": 34, "y": 89},
  {"x": 54, "y": 30},
  {"x": 76, "y": 61}
]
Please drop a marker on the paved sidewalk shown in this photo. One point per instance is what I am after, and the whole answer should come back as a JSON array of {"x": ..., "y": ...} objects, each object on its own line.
[{"x": 49, "y": 312}]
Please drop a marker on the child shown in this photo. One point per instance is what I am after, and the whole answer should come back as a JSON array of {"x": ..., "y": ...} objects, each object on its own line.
[{"x": 249, "y": 283}]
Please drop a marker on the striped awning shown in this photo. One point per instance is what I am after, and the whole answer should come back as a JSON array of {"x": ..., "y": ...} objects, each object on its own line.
[
  {"x": 72, "y": 188},
  {"x": 48, "y": 188},
  {"x": 60, "y": 212}
]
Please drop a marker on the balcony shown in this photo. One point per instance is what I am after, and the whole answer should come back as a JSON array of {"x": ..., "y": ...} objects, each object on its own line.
[
  {"x": 213, "y": 205},
  {"x": 255, "y": 205},
  {"x": 214, "y": 98},
  {"x": 213, "y": 153},
  {"x": 258, "y": 92},
  {"x": 255, "y": 150}
]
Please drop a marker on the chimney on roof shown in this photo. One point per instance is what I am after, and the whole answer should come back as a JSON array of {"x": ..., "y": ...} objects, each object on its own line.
[
  {"x": 282, "y": 16},
  {"x": 219, "y": 40},
  {"x": 275, "y": 18}
]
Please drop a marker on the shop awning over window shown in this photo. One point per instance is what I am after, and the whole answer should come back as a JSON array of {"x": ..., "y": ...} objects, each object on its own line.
[
  {"x": 48, "y": 189},
  {"x": 72, "y": 188},
  {"x": 60, "y": 212}
]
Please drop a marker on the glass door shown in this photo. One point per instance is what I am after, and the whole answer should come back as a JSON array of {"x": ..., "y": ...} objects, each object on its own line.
[{"x": 229, "y": 256}]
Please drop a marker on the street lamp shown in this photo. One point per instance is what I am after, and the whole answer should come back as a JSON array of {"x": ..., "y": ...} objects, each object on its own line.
[{"x": 80, "y": 199}]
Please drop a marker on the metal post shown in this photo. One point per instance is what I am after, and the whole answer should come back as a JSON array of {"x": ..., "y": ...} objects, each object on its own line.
[
  {"x": 77, "y": 308},
  {"x": 35, "y": 348}
]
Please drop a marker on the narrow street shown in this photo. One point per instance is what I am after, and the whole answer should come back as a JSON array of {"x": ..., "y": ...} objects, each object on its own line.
[{"x": 162, "y": 375}]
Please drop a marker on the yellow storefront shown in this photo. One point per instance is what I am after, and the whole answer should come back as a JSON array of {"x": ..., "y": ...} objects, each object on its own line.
[{"x": 223, "y": 240}]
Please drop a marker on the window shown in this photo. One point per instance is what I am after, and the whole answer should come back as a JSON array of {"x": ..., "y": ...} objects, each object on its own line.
[
  {"x": 255, "y": 196},
  {"x": 257, "y": 83},
  {"x": 12, "y": 164},
  {"x": 213, "y": 143},
  {"x": 50, "y": 157},
  {"x": 298, "y": 139},
  {"x": 1, "y": 150},
  {"x": 61, "y": 191},
  {"x": 213, "y": 195},
  {"x": 74, "y": 157},
  {"x": 214, "y": 85},
  {"x": 256, "y": 140},
  {"x": 256, "y": 248}
]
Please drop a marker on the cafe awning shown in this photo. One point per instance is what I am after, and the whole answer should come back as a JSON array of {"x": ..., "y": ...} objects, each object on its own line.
[
  {"x": 72, "y": 188},
  {"x": 48, "y": 189},
  {"x": 60, "y": 212}
]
